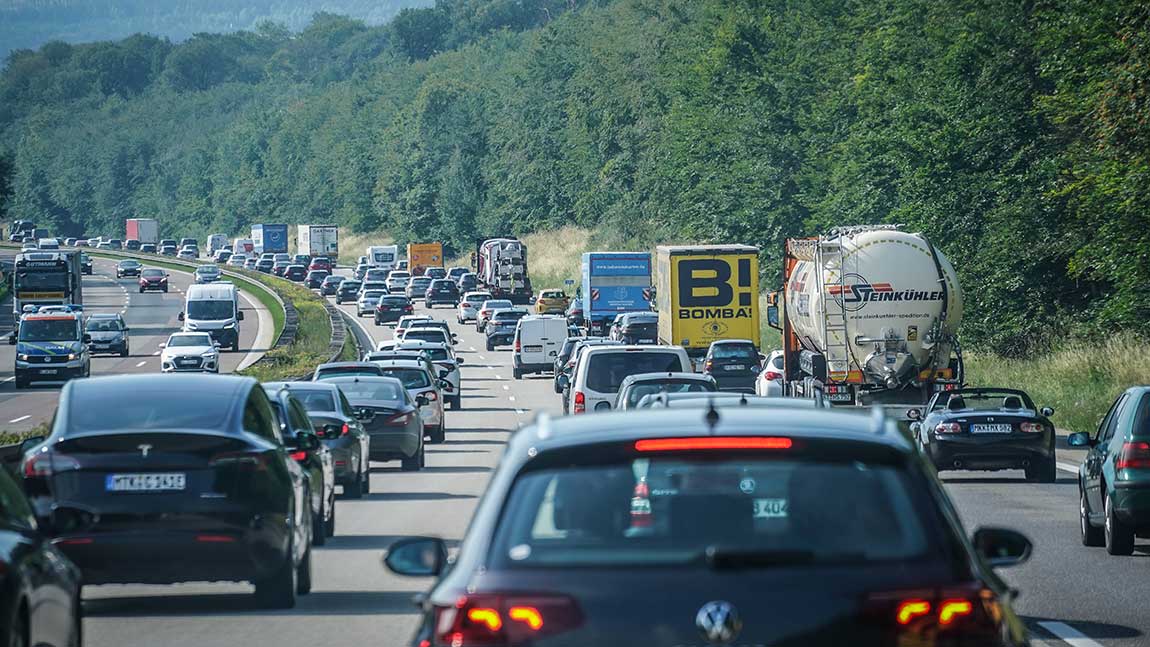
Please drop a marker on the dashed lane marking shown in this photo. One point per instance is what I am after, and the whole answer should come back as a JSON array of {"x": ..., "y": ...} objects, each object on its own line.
[
  {"x": 141, "y": 363},
  {"x": 1067, "y": 467},
  {"x": 20, "y": 419},
  {"x": 506, "y": 388},
  {"x": 511, "y": 398},
  {"x": 156, "y": 353},
  {"x": 1068, "y": 634}
]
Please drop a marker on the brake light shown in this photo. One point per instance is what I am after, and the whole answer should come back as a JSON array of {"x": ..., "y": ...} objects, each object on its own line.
[
  {"x": 242, "y": 460},
  {"x": 401, "y": 419},
  {"x": 772, "y": 375},
  {"x": 911, "y": 609},
  {"x": 1032, "y": 427},
  {"x": 707, "y": 366},
  {"x": 1134, "y": 455},
  {"x": 712, "y": 442},
  {"x": 948, "y": 428},
  {"x": 299, "y": 456},
  {"x": 518, "y": 347},
  {"x": 641, "y": 505},
  {"x": 465, "y": 305},
  {"x": 972, "y": 611},
  {"x": 345, "y": 430},
  {"x": 504, "y": 620},
  {"x": 951, "y": 610},
  {"x": 44, "y": 464},
  {"x": 580, "y": 402}
]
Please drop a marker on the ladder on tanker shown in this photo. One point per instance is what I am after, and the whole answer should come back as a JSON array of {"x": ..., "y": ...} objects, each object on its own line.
[{"x": 833, "y": 292}]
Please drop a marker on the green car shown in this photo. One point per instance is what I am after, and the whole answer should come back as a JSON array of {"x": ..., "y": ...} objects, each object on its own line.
[{"x": 1114, "y": 479}]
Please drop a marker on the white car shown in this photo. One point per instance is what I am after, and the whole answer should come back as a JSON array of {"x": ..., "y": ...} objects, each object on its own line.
[
  {"x": 444, "y": 358},
  {"x": 600, "y": 371},
  {"x": 367, "y": 302},
  {"x": 486, "y": 309},
  {"x": 770, "y": 380},
  {"x": 397, "y": 280},
  {"x": 237, "y": 260},
  {"x": 405, "y": 322},
  {"x": 429, "y": 333},
  {"x": 469, "y": 306},
  {"x": 190, "y": 352}
]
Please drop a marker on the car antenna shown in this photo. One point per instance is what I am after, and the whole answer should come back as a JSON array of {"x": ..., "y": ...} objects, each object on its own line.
[
  {"x": 742, "y": 399},
  {"x": 712, "y": 416}
]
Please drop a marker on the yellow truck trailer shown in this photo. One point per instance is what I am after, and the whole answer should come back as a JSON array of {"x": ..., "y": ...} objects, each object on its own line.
[
  {"x": 705, "y": 293},
  {"x": 421, "y": 256}
]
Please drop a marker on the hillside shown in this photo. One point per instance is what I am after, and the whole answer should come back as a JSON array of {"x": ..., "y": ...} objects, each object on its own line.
[
  {"x": 1013, "y": 134},
  {"x": 28, "y": 24}
]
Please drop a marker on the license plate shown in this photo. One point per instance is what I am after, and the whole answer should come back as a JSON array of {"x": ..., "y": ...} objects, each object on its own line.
[
  {"x": 145, "y": 482},
  {"x": 532, "y": 349},
  {"x": 646, "y": 341},
  {"x": 47, "y": 371},
  {"x": 991, "y": 429},
  {"x": 735, "y": 367},
  {"x": 100, "y": 346},
  {"x": 838, "y": 397},
  {"x": 770, "y": 508}
]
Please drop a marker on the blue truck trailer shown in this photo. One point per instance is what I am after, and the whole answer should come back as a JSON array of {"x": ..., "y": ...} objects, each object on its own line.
[
  {"x": 614, "y": 283},
  {"x": 270, "y": 239}
]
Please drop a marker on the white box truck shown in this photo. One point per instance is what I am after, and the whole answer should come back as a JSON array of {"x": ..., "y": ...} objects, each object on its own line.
[{"x": 318, "y": 240}]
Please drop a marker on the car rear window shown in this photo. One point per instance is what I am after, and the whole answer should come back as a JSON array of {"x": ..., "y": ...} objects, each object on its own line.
[
  {"x": 92, "y": 410},
  {"x": 412, "y": 378},
  {"x": 670, "y": 510},
  {"x": 341, "y": 371},
  {"x": 636, "y": 393},
  {"x": 426, "y": 334},
  {"x": 606, "y": 371},
  {"x": 777, "y": 362},
  {"x": 394, "y": 301},
  {"x": 315, "y": 400},
  {"x": 734, "y": 351}
]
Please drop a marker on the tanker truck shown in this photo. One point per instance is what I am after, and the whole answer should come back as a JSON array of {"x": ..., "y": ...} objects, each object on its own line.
[{"x": 869, "y": 316}]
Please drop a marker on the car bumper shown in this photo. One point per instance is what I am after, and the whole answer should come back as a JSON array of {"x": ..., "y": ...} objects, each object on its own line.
[
  {"x": 387, "y": 445},
  {"x": 50, "y": 372},
  {"x": 541, "y": 367},
  {"x": 986, "y": 453},
  {"x": 389, "y": 317},
  {"x": 108, "y": 347},
  {"x": 738, "y": 384},
  {"x": 500, "y": 339},
  {"x": 153, "y": 286},
  {"x": 435, "y": 300},
  {"x": 343, "y": 464}
]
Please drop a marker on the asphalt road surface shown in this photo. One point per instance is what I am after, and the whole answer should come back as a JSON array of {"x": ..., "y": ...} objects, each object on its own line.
[
  {"x": 151, "y": 317},
  {"x": 1067, "y": 590}
]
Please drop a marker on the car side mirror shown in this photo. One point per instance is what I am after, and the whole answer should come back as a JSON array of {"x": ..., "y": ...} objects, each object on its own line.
[
  {"x": 416, "y": 556},
  {"x": 443, "y": 374},
  {"x": 217, "y": 344},
  {"x": 459, "y": 361},
  {"x": 422, "y": 401},
  {"x": 916, "y": 427},
  {"x": 1080, "y": 439},
  {"x": 1046, "y": 411},
  {"x": 180, "y": 316},
  {"x": 1001, "y": 547},
  {"x": 240, "y": 315},
  {"x": 307, "y": 442},
  {"x": 66, "y": 519},
  {"x": 564, "y": 381},
  {"x": 773, "y": 317}
]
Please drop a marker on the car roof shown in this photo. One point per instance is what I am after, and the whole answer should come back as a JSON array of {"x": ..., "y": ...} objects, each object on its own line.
[
  {"x": 602, "y": 349},
  {"x": 104, "y": 315},
  {"x": 302, "y": 386},
  {"x": 346, "y": 365},
  {"x": 721, "y": 342},
  {"x": 670, "y": 375},
  {"x": 400, "y": 363},
  {"x": 726, "y": 399},
  {"x": 419, "y": 344},
  {"x": 635, "y": 424}
]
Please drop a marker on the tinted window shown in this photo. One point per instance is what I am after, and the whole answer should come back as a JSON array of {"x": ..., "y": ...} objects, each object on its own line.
[
  {"x": 636, "y": 393},
  {"x": 425, "y": 334},
  {"x": 582, "y": 516},
  {"x": 104, "y": 325},
  {"x": 511, "y": 315},
  {"x": 394, "y": 301},
  {"x": 379, "y": 390},
  {"x": 177, "y": 341},
  {"x": 412, "y": 378},
  {"x": 315, "y": 400},
  {"x": 48, "y": 330},
  {"x": 606, "y": 371},
  {"x": 352, "y": 371},
  {"x": 371, "y": 295},
  {"x": 258, "y": 416},
  {"x": 206, "y": 310},
  {"x": 160, "y": 273},
  {"x": 734, "y": 351},
  {"x": 93, "y": 409},
  {"x": 297, "y": 417},
  {"x": 777, "y": 362}
]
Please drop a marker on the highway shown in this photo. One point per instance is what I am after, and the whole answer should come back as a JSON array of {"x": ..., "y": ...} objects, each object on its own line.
[
  {"x": 1067, "y": 590},
  {"x": 151, "y": 316}
]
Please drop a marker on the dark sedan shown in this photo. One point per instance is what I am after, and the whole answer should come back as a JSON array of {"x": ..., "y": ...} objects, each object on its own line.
[
  {"x": 128, "y": 267},
  {"x": 348, "y": 291},
  {"x": 501, "y": 329},
  {"x": 391, "y": 307},
  {"x": 295, "y": 273},
  {"x": 391, "y": 417},
  {"x": 299, "y": 437},
  {"x": 279, "y": 267},
  {"x": 441, "y": 292},
  {"x": 200, "y": 489},
  {"x": 330, "y": 285},
  {"x": 745, "y": 527},
  {"x": 40, "y": 602},
  {"x": 315, "y": 278},
  {"x": 734, "y": 363},
  {"x": 335, "y": 420},
  {"x": 153, "y": 278},
  {"x": 575, "y": 313},
  {"x": 988, "y": 429},
  {"x": 265, "y": 265}
]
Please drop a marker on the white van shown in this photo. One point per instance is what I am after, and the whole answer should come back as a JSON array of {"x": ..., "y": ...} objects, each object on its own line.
[
  {"x": 243, "y": 246},
  {"x": 214, "y": 308},
  {"x": 216, "y": 242},
  {"x": 537, "y": 342},
  {"x": 601, "y": 369},
  {"x": 382, "y": 256}
]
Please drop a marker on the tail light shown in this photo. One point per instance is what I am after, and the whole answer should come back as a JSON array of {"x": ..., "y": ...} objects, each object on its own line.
[
  {"x": 44, "y": 464},
  {"x": 772, "y": 375},
  {"x": 243, "y": 460},
  {"x": 344, "y": 430},
  {"x": 641, "y": 505},
  {"x": 707, "y": 366},
  {"x": 401, "y": 419},
  {"x": 431, "y": 396},
  {"x": 495, "y": 620},
  {"x": 518, "y": 347},
  {"x": 1032, "y": 427},
  {"x": 948, "y": 428},
  {"x": 972, "y": 613},
  {"x": 580, "y": 402},
  {"x": 1134, "y": 455},
  {"x": 299, "y": 456}
]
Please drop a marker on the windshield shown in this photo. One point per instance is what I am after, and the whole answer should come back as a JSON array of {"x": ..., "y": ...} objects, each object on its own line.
[
  {"x": 129, "y": 264},
  {"x": 412, "y": 378},
  {"x": 207, "y": 310},
  {"x": 315, "y": 400},
  {"x": 606, "y": 371},
  {"x": 583, "y": 516},
  {"x": 49, "y": 330},
  {"x": 426, "y": 334},
  {"x": 178, "y": 341},
  {"x": 389, "y": 391},
  {"x": 56, "y": 281},
  {"x": 636, "y": 393},
  {"x": 104, "y": 325},
  {"x": 436, "y": 354},
  {"x": 156, "y": 273},
  {"x": 349, "y": 286},
  {"x": 735, "y": 351}
]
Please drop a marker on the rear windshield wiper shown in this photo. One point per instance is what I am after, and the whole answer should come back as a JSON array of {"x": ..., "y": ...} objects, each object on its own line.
[{"x": 721, "y": 557}]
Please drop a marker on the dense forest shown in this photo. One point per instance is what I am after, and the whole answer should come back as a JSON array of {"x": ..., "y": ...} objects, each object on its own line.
[
  {"x": 1015, "y": 134},
  {"x": 31, "y": 23}
]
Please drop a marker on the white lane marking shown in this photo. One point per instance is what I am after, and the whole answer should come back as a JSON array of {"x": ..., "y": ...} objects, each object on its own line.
[
  {"x": 520, "y": 412},
  {"x": 506, "y": 388},
  {"x": 156, "y": 353},
  {"x": 1068, "y": 634},
  {"x": 473, "y": 348},
  {"x": 11, "y": 379},
  {"x": 511, "y": 398},
  {"x": 15, "y": 420},
  {"x": 481, "y": 357},
  {"x": 1067, "y": 467},
  {"x": 141, "y": 363}
]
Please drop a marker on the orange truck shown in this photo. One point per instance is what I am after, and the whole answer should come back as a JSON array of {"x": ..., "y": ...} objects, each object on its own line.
[{"x": 421, "y": 256}]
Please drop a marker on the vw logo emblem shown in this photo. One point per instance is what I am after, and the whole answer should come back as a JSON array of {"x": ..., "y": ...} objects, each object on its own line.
[{"x": 719, "y": 622}]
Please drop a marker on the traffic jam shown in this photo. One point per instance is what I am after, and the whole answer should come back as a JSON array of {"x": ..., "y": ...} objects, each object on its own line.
[{"x": 665, "y": 479}]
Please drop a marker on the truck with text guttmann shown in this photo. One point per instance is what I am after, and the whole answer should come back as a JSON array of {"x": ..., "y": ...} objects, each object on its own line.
[
  {"x": 614, "y": 283},
  {"x": 869, "y": 316},
  {"x": 706, "y": 293},
  {"x": 46, "y": 278}
]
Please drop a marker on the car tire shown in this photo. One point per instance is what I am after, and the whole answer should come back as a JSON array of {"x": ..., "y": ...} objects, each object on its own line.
[
  {"x": 165, "y": 290},
  {"x": 366, "y": 484},
  {"x": 329, "y": 524},
  {"x": 303, "y": 574},
  {"x": 517, "y": 374},
  {"x": 278, "y": 591},
  {"x": 318, "y": 529},
  {"x": 124, "y": 352},
  {"x": 1045, "y": 471},
  {"x": 489, "y": 345},
  {"x": 18, "y": 627},
  {"x": 1119, "y": 536},
  {"x": 1091, "y": 535},
  {"x": 457, "y": 402},
  {"x": 413, "y": 463},
  {"x": 437, "y": 435},
  {"x": 353, "y": 490}
]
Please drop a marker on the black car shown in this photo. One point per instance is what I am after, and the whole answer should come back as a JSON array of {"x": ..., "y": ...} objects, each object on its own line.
[
  {"x": 575, "y": 313},
  {"x": 468, "y": 282},
  {"x": 391, "y": 307},
  {"x": 168, "y": 250},
  {"x": 132, "y": 245},
  {"x": 435, "y": 273},
  {"x": 200, "y": 489},
  {"x": 639, "y": 328},
  {"x": 988, "y": 429},
  {"x": 40, "y": 602},
  {"x": 501, "y": 328},
  {"x": 345, "y": 369},
  {"x": 148, "y": 248},
  {"x": 340, "y": 430},
  {"x": 128, "y": 267},
  {"x": 315, "y": 278},
  {"x": 300, "y": 438},
  {"x": 265, "y": 265},
  {"x": 85, "y": 264},
  {"x": 390, "y": 416},
  {"x": 109, "y": 334},
  {"x": 734, "y": 363},
  {"x": 348, "y": 291},
  {"x": 330, "y": 285},
  {"x": 295, "y": 273},
  {"x": 441, "y": 291},
  {"x": 795, "y": 527}
]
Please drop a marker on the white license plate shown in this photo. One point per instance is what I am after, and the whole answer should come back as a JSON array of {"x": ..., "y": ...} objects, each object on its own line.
[
  {"x": 47, "y": 371},
  {"x": 839, "y": 397},
  {"x": 991, "y": 429},
  {"x": 735, "y": 367},
  {"x": 101, "y": 346},
  {"x": 646, "y": 341},
  {"x": 770, "y": 508},
  {"x": 532, "y": 349},
  {"x": 145, "y": 482}
]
